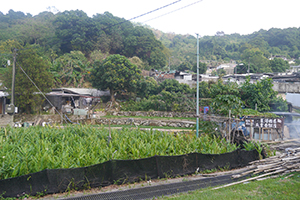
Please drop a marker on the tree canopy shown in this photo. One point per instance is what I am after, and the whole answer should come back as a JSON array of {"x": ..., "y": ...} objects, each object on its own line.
[
  {"x": 117, "y": 74},
  {"x": 70, "y": 69},
  {"x": 254, "y": 49},
  {"x": 75, "y": 31},
  {"x": 36, "y": 67}
]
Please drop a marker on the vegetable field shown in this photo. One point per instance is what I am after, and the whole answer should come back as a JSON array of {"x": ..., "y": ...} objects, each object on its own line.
[{"x": 28, "y": 150}]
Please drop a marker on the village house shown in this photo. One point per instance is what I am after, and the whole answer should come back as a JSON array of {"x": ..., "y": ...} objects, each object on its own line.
[
  {"x": 5, "y": 119},
  {"x": 3, "y": 101},
  {"x": 241, "y": 78},
  {"x": 68, "y": 99},
  {"x": 229, "y": 67}
]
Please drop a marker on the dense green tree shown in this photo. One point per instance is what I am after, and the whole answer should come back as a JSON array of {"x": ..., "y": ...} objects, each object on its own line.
[
  {"x": 70, "y": 69},
  {"x": 37, "y": 30},
  {"x": 279, "y": 65},
  {"x": 147, "y": 87},
  {"x": 184, "y": 66},
  {"x": 6, "y": 48},
  {"x": 278, "y": 104},
  {"x": 138, "y": 62},
  {"x": 97, "y": 55},
  {"x": 204, "y": 90},
  {"x": 172, "y": 85},
  {"x": 220, "y": 88},
  {"x": 202, "y": 68},
  {"x": 164, "y": 101},
  {"x": 221, "y": 72},
  {"x": 223, "y": 103},
  {"x": 259, "y": 93},
  {"x": 254, "y": 60},
  {"x": 75, "y": 31},
  {"x": 117, "y": 74},
  {"x": 37, "y": 68},
  {"x": 214, "y": 73}
]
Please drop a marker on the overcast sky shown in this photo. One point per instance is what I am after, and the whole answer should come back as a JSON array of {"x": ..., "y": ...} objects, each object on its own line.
[{"x": 205, "y": 17}]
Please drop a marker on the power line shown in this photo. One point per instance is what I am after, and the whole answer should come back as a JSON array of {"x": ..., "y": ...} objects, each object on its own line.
[
  {"x": 102, "y": 29},
  {"x": 173, "y": 11},
  {"x": 154, "y": 10},
  {"x": 3, "y": 54},
  {"x": 41, "y": 92}
]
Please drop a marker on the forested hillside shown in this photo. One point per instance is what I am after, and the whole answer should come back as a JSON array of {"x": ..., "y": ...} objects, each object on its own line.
[
  {"x": 71, "y": 49},
  {"x": 71, "y": 41},
  {"x": 68, "y": 31},
  {"x": 255, "y": 49}
]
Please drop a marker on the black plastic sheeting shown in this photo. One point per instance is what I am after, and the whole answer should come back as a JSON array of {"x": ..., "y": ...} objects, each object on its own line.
[
  {"x": 153, "y": 192},
  {"x": 51, "y": 181}
]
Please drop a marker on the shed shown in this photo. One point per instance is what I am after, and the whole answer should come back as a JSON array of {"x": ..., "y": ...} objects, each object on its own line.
[
  {"x": 75, "y": 97},
  {"x": 3, "y": 100}
]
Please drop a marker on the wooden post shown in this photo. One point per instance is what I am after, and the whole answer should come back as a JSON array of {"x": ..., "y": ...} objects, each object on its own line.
[
  {"x": 251, "y": 130},
  {"x": 229, "y": 126},
  {"x": 227, "y": 137},
  {"x": 282, "y": 135}
]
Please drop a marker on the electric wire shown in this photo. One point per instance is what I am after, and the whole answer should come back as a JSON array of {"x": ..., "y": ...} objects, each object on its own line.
[
  {"x": 173, "y": 11},
  {"x": 103, "y": 29},
  {"x": 144, "y": 14},
  {"x": 154, "y": 10},
  {"x": 41, "y": 92},
  {"x": 4, "y": 54}
]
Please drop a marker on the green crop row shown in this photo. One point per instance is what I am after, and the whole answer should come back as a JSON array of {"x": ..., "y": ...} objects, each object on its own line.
[{"x": 28, "y": 150}]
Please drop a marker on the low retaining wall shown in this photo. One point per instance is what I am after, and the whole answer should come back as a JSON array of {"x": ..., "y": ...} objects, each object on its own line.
[
  {"x": 100, "y": 118},
  {"x": 152, "y": 114},
  {"x": 145, "y": 122}
]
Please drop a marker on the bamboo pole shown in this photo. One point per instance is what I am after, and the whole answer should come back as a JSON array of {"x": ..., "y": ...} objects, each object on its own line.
[{"x": 250, "y": 179}]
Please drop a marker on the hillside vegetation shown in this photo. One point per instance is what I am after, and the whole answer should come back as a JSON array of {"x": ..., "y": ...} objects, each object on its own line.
[
  {"x": 96, "y": 37},
  {"x": 71, "y": 49},
  {"x": 254, "y": 49},
  {"x": 62, "y": 33}
]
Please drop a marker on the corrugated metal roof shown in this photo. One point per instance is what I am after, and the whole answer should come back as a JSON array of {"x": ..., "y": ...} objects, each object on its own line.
[
  {"x": 3, "y": 94},
  {"x": 83, "y": 91}
]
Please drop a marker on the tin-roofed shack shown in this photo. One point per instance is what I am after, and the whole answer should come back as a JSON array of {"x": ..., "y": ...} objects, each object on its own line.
[
  {"x": 66, "y": 99},
  {"x": 3, "y": 98}
]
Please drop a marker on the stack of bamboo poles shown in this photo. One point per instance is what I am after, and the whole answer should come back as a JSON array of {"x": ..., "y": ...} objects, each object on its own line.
[{"x": 271, "y": 167}]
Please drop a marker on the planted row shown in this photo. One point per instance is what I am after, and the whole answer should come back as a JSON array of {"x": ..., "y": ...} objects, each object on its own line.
[{"x": 28, "y": 150}]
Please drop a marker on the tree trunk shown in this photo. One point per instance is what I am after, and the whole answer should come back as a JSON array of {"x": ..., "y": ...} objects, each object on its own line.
[{"x": 112, "y": 95}]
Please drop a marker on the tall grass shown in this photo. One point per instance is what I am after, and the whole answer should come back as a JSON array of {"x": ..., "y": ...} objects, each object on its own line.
[{"x": 28, "y": 150}]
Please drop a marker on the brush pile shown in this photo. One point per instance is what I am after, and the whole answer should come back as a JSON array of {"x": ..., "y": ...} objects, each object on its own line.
[{"x": 274, "y": 166}]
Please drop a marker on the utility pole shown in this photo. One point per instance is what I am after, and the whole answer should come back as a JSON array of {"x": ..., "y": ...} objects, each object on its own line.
[
  {"x": 169, "y": 62},
  {"x": 249, "y": 66},
  {"x": 13, "y": 78},
  {"x": 12, "y": 101},
  {"x": 197, "y": 107}
]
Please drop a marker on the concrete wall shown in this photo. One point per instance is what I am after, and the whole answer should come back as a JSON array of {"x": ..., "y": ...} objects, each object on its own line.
[
  {"x": 146, "y": 122},
  {"x": 286, "y": 87},
  {"x": 294, "y": 99},
  {"x": 152, "y": 114},
  {"x": 5, "y": 120}
]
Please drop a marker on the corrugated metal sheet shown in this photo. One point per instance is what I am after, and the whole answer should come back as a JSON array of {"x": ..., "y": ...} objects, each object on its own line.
[
  {"x": 80, "y": 112},
  {"x": 3, "y": 94},
  {"x": 83, "y": 91}
]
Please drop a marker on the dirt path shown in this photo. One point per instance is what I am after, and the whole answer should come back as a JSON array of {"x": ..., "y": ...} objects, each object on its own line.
[{"x": 146, "y": 185}]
